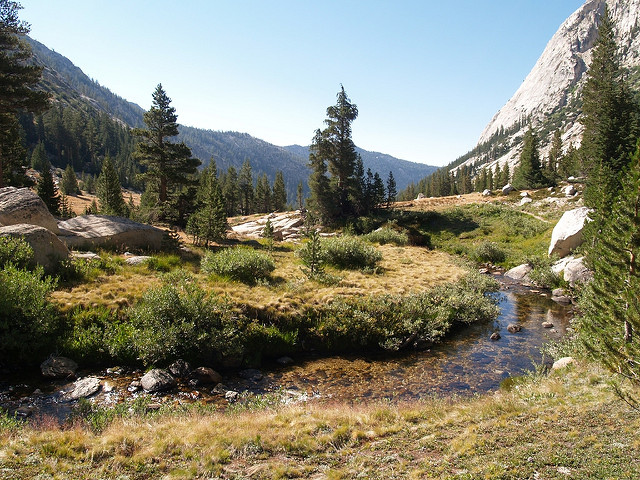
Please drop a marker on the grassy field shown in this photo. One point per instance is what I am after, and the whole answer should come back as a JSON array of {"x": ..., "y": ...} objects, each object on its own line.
[{"x": 564, "y": 425}]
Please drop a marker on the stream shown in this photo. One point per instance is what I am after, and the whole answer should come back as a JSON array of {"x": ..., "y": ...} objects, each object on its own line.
[{"x": 468, "y": 361}]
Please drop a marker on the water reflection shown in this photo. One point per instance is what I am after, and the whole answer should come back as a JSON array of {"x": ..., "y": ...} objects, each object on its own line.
[{"x": 468, "y": 361}]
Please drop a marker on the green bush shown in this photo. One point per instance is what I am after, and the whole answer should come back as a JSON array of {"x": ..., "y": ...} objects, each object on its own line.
[
  {"x": 386, "y": 235},
  {"x": 239, "y": 263},
  {"x": 28, "y": 320},
  {"x": 490, "y": 252},
  {"x": 163, "y": 263},
  {"x": 350, "y": 252},
  {"x": 179, "y": 320},
  {"x": 86, "y": 339},
  {"x": 15, "y": 251},
  {"x": 394, "y": 322}
]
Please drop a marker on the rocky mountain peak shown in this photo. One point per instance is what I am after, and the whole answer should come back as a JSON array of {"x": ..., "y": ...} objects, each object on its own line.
[{"x": 550, "y": 95}]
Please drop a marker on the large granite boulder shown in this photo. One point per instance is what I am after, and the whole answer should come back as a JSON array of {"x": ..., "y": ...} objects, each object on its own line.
[
  {"x": 48, "y": 250},
  {"x": 21, "y": 205},
  {"x": 567, "y": 234},
  {"x": 157, "y": 380},
  {"x": 520, "y": 273},
  {"x": 91, "y": 231},
  {"x": 573, "y": 270}
]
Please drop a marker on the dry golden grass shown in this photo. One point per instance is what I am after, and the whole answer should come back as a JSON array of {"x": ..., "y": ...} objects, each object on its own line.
[
  {"x": 113, "y": 291},
  {"x": 403, "y": 270},
  {"x": 567, "y": 425}
]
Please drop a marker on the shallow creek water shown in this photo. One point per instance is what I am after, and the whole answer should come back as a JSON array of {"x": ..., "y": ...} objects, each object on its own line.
[{"x": 466, "y": 362}]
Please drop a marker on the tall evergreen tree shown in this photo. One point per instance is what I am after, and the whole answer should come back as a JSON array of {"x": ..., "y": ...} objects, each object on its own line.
[
  {"x": 611, "y": 301},
  {"x": 209, "y": 222},
  {"x": 231, "y": 191},
  {"x": 392, "y": 191},
  {"x": 279, "y": 193},
  {"x": 39, "y": 158},
  {"x": 262, "y": 203},
  {"x": 300, "y": 195},
  {"x": 333, "y": 150},
  {"x": 48, "y": 191},
  {"x": 528, "y": 174},
  {"x": 18, "y": 77},
  {"x": 109, "y": 191},
  {"x": 609, "y": 127},
  {"x": 69, "y": 183},
  {"x": 169, "y": 165},
  {"x": 245, "y": 186}
]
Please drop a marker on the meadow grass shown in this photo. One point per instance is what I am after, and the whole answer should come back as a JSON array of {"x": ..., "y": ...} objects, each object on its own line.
[{"x": 565, "y": 425}]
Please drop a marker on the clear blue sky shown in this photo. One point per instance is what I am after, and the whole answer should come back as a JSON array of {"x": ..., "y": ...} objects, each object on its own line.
[{"x": 427, "y": 76}]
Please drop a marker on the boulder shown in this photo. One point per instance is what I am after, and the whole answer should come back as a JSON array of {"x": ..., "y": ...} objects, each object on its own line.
[
  {"x": 514, "y": 327},
  {"x": 520, "y": 272},
  {"x": 486, "y": 192},
  {"x": 136, "y": 259},
  {"x": 524, "y": 194},
  {"x": 525, "y": 200},
  {"x": 91, "y": 231},
  {"x": 559, "y": 295},
  {"x": 21, "y": 205},
  {"x": 420, "y": 196},
  {"x": 569, "y": 190},
  {"x": 206, "y": 375},
  {"x": 495, "y": 336},
  {"x": 82, "y": 388},
  {"x": 58, "y": 367},
  {"x": 48, "y": 250},
  {"x": 562, "y": 363},
  {"x": 507, "y": 189},
  {"x": 180, "y": 368},
  {"x": 572, "y": 269},
  {"x": 567, "y": 234},
  {"x": 157, "y": 380}
]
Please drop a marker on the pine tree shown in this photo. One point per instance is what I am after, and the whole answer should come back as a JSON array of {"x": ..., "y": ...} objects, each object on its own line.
[
  {"x": 69, "y": 183},
  {"x": 245, "y": 186},
  {"x": 231, "y": 191},
  {"x": 609, "y": 120},
  {"x": 611, "y": 301},
  {"x": 109, "y": 191},
  {"x": 39, "y": 160},
  {"x": 300, "y": 195},
  {"x": 528, "y": 174},
  {"x": 48, "y": 191},
  {"x": 168, "y": 165},
  {"x": 279, "y": 193},
  {"x": 262, "y": 203},
  {"x": 18, "y": 79},
  {"x": 392, "y": 191},
  {"x": 209, "y": 222},
  {"x": 333, "y": 150}
]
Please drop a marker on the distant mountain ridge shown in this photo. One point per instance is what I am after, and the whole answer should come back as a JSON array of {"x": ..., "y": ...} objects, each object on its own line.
[{"x": 70, "y": 87}]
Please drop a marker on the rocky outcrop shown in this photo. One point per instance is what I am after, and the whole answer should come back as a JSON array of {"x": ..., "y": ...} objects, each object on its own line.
[
  {"x": 555, "y": 81},
  {"x": 567, "y": 234},
  {"x": 286, "y": 226},
  {"x": 91, "y": 231},
  {"x": 157, "y": 380},
  {"x": 48, "y": 250},
  {"x": 22, "y": 206}
]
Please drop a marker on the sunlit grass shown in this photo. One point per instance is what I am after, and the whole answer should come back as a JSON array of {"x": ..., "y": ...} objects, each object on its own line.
[{"x": 544, "y": 427}]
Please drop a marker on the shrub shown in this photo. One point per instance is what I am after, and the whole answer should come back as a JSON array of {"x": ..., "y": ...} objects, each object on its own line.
[
  {"x": 163, "y": 263},
  {"x": 15, "y": 251},
  {"x": 239, "y": 263},
  {"x": 350, "y": 252},
  {"x": 86, "y": 340},
  {"x": 179, "y": 320},
  {"x": 394, "y": 322},
  {"x": 27, "y": 318},
  {"x": 490, "y": 252},
  {"x": 386, "y": 235}
]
